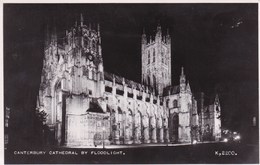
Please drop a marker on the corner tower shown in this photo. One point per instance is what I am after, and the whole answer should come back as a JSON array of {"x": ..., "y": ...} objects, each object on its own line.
[{"x": 156, "y": 60}]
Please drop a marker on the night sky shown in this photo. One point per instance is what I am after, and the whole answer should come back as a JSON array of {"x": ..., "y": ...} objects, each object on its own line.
[{"x": 216, "y": 43}]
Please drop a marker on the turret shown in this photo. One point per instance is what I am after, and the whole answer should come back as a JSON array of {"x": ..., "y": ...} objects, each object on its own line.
[
  {"x": 54, "y": 36},
  {"x": 158, "y": 36},
  {"x": 81, "y": 20},
  {"x": 144, "y": 40},
  {"x": 188, "y": 88},
  {"x": 216, "y": 99},
  {"x": 168, "y": 38},
  {"x": 47, "y": 37}
]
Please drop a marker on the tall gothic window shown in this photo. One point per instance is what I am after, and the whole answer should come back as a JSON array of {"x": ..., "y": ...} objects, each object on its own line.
[
  {"x": 162, "y": 56},
  {"x": 154, "y": 81},
  {"x": 130, "y": 123},
  {"x": 120, "y": 122},
  {"x": 175, "y": 103},
  {"x": 148, "y": 57},
  {"x": 153, "y": 55},
  {"x": 94, "y": 45},
  {"x": 148, "y": 80}
]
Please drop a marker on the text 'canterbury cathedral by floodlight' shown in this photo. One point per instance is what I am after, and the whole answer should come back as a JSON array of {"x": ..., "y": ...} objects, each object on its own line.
[{"x": 87, "y": 106}]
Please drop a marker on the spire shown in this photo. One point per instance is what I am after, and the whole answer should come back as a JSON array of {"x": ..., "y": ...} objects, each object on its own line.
[
  {"x": 98, "y": 29},
  {"x": 144, "y": 31},
  {"x": 216, "y": 99},
  {"x": 182, "y": 71},
  {"x": 168, "y": 34},
  {"x": 47, "y": 36},
  {"x": 159, "y": 26},
  {"x": 54, "y": 36},
  {"x": 158, "y": 36},
  {"x": 81, "y": 20},
  {"x": 144, "y": 39},
  {"x": 53, "y": 33},
  {"x": 188, "y": 87}
]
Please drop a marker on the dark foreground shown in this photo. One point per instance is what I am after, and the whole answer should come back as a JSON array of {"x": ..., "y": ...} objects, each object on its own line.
[{"x": 200, "y": 153}]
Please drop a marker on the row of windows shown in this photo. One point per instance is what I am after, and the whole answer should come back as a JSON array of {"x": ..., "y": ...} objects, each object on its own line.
[
  {"x": 164, "y": 61},
  {"x": 130, "y": 95}
]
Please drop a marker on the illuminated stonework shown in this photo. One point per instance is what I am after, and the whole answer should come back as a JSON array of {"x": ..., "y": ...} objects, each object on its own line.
[{"x": 87, "y": 106}]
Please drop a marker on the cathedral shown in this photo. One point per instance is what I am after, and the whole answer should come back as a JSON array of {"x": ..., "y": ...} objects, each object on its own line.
[{"x": 87, "y": 106}]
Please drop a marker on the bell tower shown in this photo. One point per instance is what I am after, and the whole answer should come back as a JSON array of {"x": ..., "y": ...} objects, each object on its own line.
[{"x": 156, "y": 60}]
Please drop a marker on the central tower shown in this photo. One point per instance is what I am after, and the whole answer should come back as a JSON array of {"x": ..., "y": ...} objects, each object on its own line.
[{"x": 156, "y": 60}]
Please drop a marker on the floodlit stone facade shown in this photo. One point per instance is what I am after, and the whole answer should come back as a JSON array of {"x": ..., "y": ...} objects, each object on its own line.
[{"x": 87, "y": 106}]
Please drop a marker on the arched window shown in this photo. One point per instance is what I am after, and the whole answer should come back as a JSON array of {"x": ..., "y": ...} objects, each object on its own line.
[
  {"x": 130, "y": 123},
  {"x": 175, "y": 103},
  {"x": 175, "y": 127},
  {"x": 217, "y": 109},
  {"x": 148, "y": 80},
  {"x": 162, "y": 56},
  {"x": 154, "y": 80},
  {"x": 148, "y": 56},
  {"x": 94, "y": 45},
  {"x": 153, "y": 55},
  {"x": 120, "y": 122}
]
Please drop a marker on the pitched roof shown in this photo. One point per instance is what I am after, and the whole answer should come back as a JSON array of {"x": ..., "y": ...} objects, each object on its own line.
[{"x": 129, "y": 83}]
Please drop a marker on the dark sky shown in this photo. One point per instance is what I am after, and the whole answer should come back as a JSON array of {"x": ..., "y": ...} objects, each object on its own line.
[{"x": 216, "y": 43}]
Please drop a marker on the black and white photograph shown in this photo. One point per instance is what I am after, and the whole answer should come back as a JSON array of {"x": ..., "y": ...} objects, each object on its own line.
[{"x": 131, "y": 83}]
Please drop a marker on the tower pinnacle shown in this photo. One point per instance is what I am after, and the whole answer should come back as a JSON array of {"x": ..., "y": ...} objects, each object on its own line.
[
  {"x": 81, "y": 20},
  {"x": 158, "y": 26}
]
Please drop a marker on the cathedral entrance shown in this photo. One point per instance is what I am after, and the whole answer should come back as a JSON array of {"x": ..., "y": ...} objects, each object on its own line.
[
  {"x": 91, "y": 129},
  {"x": 175, "y": 127}
]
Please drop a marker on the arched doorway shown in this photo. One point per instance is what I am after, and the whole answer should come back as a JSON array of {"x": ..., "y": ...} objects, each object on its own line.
[
  {"x": 207, "y": 133},
  {"x": 175, "y": 128}
]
